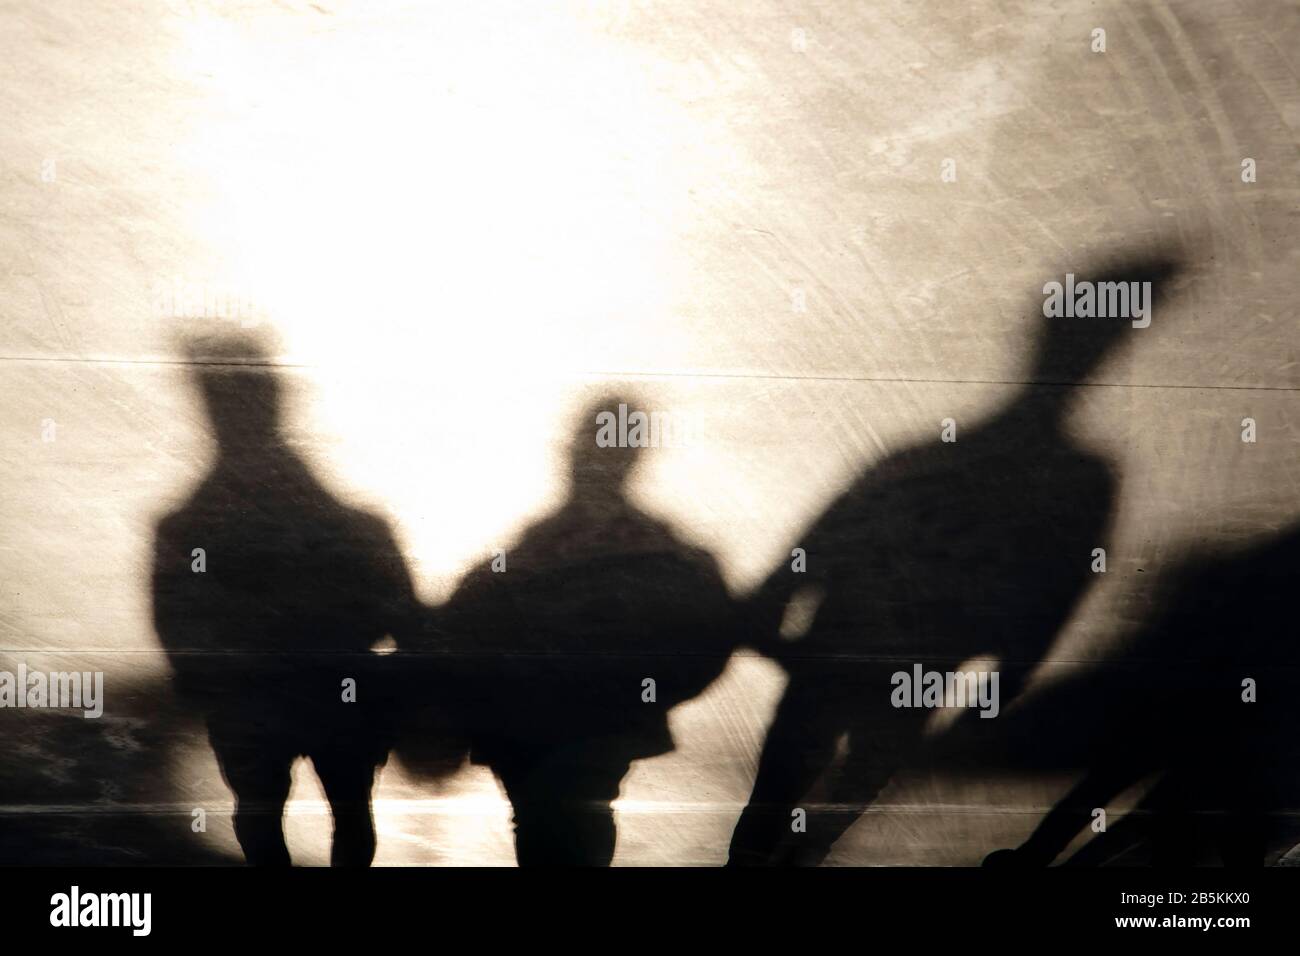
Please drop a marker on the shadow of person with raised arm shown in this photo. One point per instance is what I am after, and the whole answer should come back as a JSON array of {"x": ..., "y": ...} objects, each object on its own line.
[
  {"x": 947, "y": 552},
  {"x": 579, "y": 639},
  {"x": 1223, "y": 755},
  {"x": 268, "y": 594}
]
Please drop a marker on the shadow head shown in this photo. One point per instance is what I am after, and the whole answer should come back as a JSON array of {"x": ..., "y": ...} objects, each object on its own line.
[
  {"x": 1070, "y": 349},
  {"x": 600, "y": 460},
  {"x": 239, "y": 385}
]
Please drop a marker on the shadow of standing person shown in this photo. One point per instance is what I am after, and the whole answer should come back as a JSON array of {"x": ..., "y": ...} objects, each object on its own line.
[
  {"x": 946, "y": 552},
  {"x": 269, "y": 593},
  {"x": 582, "y": 636}
]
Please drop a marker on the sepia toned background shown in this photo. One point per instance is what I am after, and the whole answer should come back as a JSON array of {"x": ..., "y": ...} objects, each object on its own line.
[{"x": 462, "y": 222}]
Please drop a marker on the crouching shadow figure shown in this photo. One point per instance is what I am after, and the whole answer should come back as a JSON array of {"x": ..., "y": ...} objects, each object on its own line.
[
  {"x": 581, "y": 637},
  {"x": 269, "y": 594},
  {"x": 945, "y": 552}
]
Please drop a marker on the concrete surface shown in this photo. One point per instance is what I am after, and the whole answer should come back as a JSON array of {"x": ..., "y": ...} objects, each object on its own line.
[{"x": 457, "y": 224}]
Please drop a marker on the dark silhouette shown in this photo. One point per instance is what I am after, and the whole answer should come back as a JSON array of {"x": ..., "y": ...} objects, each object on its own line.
[
  {"x": 298, "y": 588},
  {"x": 942, "y": 553},
  {"x": 593, "y": 601},
  {"x": 109, "y": 791},
  {"x": 1224, "y": 769}
]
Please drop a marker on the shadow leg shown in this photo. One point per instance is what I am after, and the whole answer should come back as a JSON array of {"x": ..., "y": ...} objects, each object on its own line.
[
  {"x": 348, "y": 780},
  {"x": 800, "y": 746},
  {"x": 562, "y": 809},
  {"x": 257, "y": 772}
]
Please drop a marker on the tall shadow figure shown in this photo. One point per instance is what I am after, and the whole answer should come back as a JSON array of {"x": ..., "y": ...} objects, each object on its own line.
[
  {"x": 269, "y": 593},
  {"x": 1222, "y": 756},
  {"x": 945, "y": 552},
  {"x": 590, "y": 629}
]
